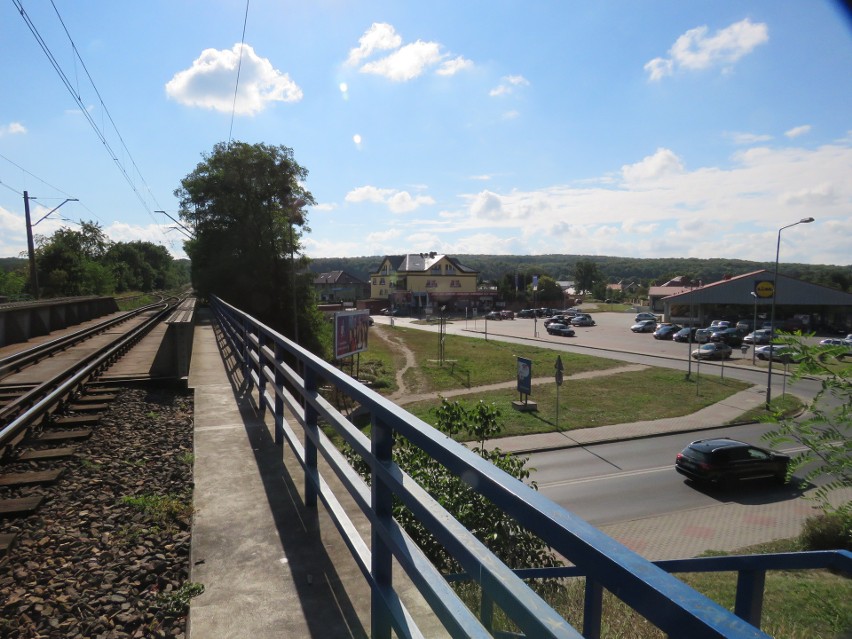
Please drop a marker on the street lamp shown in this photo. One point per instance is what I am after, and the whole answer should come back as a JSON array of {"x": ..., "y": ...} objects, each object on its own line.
[
  {"x": 754, "y": 330},
  {"x": 30, "y": 245},
  {"x": 804, "y": 220}
]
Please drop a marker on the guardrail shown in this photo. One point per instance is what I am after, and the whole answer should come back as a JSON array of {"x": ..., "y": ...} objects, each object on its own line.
[{"x": 287, "y": 379}]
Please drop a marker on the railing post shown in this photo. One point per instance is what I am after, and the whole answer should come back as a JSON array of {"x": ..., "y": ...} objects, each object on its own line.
[
  {"x": 592, "y": 609},
  {"x": 245, "y": 352},
  {"x": 311, "y": 470},
  {"x": 261, "y": 387},
  {"x": 486, "y": 610},
  {"x": 279, "y": 401},
  {"x": 749, "y": 603},
  {"x": 381, "y": 558}
]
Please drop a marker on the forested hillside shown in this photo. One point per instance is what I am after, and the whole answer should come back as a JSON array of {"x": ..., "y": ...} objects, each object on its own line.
[{"x": 645, "y": 272}]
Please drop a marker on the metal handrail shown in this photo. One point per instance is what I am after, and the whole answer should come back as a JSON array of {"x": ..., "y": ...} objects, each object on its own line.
[{"x": 287, "y": 377}]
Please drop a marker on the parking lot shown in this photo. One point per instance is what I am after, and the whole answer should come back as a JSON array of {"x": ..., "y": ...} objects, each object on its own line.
[{"x": 611, "y": 332}]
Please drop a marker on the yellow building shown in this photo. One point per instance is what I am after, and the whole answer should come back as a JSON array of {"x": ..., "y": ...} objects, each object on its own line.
[{"x": 425, "y": 280}]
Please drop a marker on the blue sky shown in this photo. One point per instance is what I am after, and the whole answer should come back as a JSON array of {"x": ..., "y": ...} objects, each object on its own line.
[{"x": 636, "y": 129}]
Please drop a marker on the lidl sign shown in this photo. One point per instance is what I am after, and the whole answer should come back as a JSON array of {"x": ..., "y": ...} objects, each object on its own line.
[{"x": 764, "y": 289}]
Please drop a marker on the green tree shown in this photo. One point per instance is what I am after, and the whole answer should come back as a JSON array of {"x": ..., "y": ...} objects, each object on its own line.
[
  {"x": 245, "y": 203},
  {"x": 824, "y": 429},
  {"x": 549, "y": 290},
  {"x": 586, "y": 274},
  {"x": 67, "y": 262}
]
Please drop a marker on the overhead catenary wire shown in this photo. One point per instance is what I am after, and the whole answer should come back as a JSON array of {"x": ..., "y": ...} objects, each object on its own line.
[
  {"x": 75, "y": 93},
  {"x": 239, "y": 68}
]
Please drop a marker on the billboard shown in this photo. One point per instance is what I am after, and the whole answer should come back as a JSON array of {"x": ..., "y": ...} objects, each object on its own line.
[
  {"x": 524, "y": 375},
  {"x": 350, "y": 333}
]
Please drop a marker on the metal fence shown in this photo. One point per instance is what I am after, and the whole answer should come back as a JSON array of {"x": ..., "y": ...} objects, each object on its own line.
[{"x": 288, "y": 378}]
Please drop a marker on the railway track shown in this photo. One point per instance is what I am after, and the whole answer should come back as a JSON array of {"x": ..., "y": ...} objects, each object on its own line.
[{"x": 50, "y": 398}]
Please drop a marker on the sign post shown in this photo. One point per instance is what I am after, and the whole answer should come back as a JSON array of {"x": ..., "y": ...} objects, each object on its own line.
[
  {"x": 559, "y": 379},
  {"x": 524, "y": 386}
]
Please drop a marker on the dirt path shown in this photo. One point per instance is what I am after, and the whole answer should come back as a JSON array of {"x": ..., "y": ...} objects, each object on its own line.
[{"x": 409, "y": 363}]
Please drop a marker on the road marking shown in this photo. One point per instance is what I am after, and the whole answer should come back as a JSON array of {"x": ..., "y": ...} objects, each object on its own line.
[{"x": 626, "y": 473}]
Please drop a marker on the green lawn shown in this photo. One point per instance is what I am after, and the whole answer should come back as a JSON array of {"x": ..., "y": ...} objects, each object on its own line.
[
  {"x": 653, "y": 393},
  {"x": 469, "y": 361}
]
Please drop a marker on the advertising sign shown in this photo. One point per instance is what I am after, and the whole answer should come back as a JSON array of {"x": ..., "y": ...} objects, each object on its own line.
[
  {"x": 764, "y": 289},
  {"x": 524, "y": 375},
  {"x": 350, "y": 333}
]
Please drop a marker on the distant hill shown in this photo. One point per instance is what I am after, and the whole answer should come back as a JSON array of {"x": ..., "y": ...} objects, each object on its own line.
[
  {"x": 13, "y": 263},
  {"x": 643, "y": 271}
]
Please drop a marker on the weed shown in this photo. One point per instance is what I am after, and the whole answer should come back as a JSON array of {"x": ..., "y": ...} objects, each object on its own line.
[
  {"x": 161, "y": 509},
  {"x": 176, "y": 602}
]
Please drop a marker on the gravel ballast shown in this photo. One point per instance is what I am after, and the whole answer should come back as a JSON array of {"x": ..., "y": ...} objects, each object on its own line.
[{"x": 107, "y": 553}]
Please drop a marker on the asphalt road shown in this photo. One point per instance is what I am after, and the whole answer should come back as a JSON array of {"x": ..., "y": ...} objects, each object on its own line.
[{"x": 620, "y": 481}]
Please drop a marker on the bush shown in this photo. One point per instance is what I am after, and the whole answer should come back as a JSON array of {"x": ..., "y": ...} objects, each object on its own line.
[{"x": 828, "y": 531}]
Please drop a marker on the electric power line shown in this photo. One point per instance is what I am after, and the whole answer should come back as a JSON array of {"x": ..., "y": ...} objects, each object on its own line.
[{"x": 239, "y": 68}]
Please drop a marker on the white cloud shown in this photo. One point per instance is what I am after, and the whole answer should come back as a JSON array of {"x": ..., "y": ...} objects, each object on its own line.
[
  {"x": 379, "y": 37},
  {"x": 325, "y": 206},
  {"x": 406, "y": 62},
  {"x": 13, "y": 128},
  {"x": 396, "y": 201},
  {"x": 818, "y": 195},
  {"x": 749, "y": 138},
  {"x": 663, "y": 163},
  {"x": 508, "y": 85},
  {"x": 797, "y": 131},
  {"x": 209, "y": 82},
  {"x": 451, "y": 67},
  {"x": 695, "y": 50}
]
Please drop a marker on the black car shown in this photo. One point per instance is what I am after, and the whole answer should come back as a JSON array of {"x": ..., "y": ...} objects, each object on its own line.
[
  {"x": 666, "y": 331},
  {"x": 560, "y": 329},
  {"x": 686, "y": 334},
  {"x": 730, "y": 336},
  {"x": 723, "y": 461}
]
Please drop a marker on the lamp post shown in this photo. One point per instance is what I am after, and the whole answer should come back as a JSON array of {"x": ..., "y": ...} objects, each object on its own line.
[
  {"x": 804, "y": 220},
  {"x": 754, "y": 330},
  {"x": 30, "y": 244}
]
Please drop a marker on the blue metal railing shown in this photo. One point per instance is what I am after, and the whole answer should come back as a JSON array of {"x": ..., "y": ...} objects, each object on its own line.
[{"x": 287, "y": 378}]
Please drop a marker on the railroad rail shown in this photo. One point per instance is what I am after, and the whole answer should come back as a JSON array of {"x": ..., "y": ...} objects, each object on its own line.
[{"x": 23, "y": 420}]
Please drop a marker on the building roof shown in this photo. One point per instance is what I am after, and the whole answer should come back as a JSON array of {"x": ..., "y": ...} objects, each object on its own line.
[
  {"x": 738, "y": 289},
  {"x": 423, "y": 262},
  {"x": 337, "y": 277}
]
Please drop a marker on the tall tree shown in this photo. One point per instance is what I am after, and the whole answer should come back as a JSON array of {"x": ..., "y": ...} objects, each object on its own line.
[
  {"x": 586, "y": 273},
  {"x": 245, "y": 204}
]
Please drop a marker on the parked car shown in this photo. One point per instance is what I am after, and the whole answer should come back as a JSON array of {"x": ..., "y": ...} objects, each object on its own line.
[
  {"x": 731, "y": 336},
  {"x": 834, "y": 342},
  {"x": 644, "y": 326},
  {"x": 557, "y": 319},
  {"x": 644, "y": 316},
  {"x": 712, "y": 350},
  {"x": 723, "y": 461},
  {"x": 778, "y": 353},
  {"x": 745, "y": 325},
  {"x": 666, "y": 331},
  {"x": 703, "y": 335},
  {"x": 560, "y": 329},
  {"x": 720, "y": 324},
  {"x": 760, "y": 336},
  {"x": 507, "y": 314},
  {"x": 526, "y": 312},
  {"x": 582, "y": 320},
  {"x": 686, "y": 334},
  {"x": 493, "y": 315}
]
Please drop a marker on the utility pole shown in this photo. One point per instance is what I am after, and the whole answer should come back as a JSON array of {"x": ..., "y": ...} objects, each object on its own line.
[
  {"x": 30, "y": 245},
  {"x": 31, "y": 248}
]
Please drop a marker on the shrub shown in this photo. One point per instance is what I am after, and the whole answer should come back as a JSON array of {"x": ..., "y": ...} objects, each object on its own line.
[{"x": 828, "y": 531}]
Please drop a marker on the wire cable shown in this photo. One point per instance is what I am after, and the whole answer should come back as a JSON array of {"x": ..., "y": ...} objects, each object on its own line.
[{"x": 239, "y": 68}]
